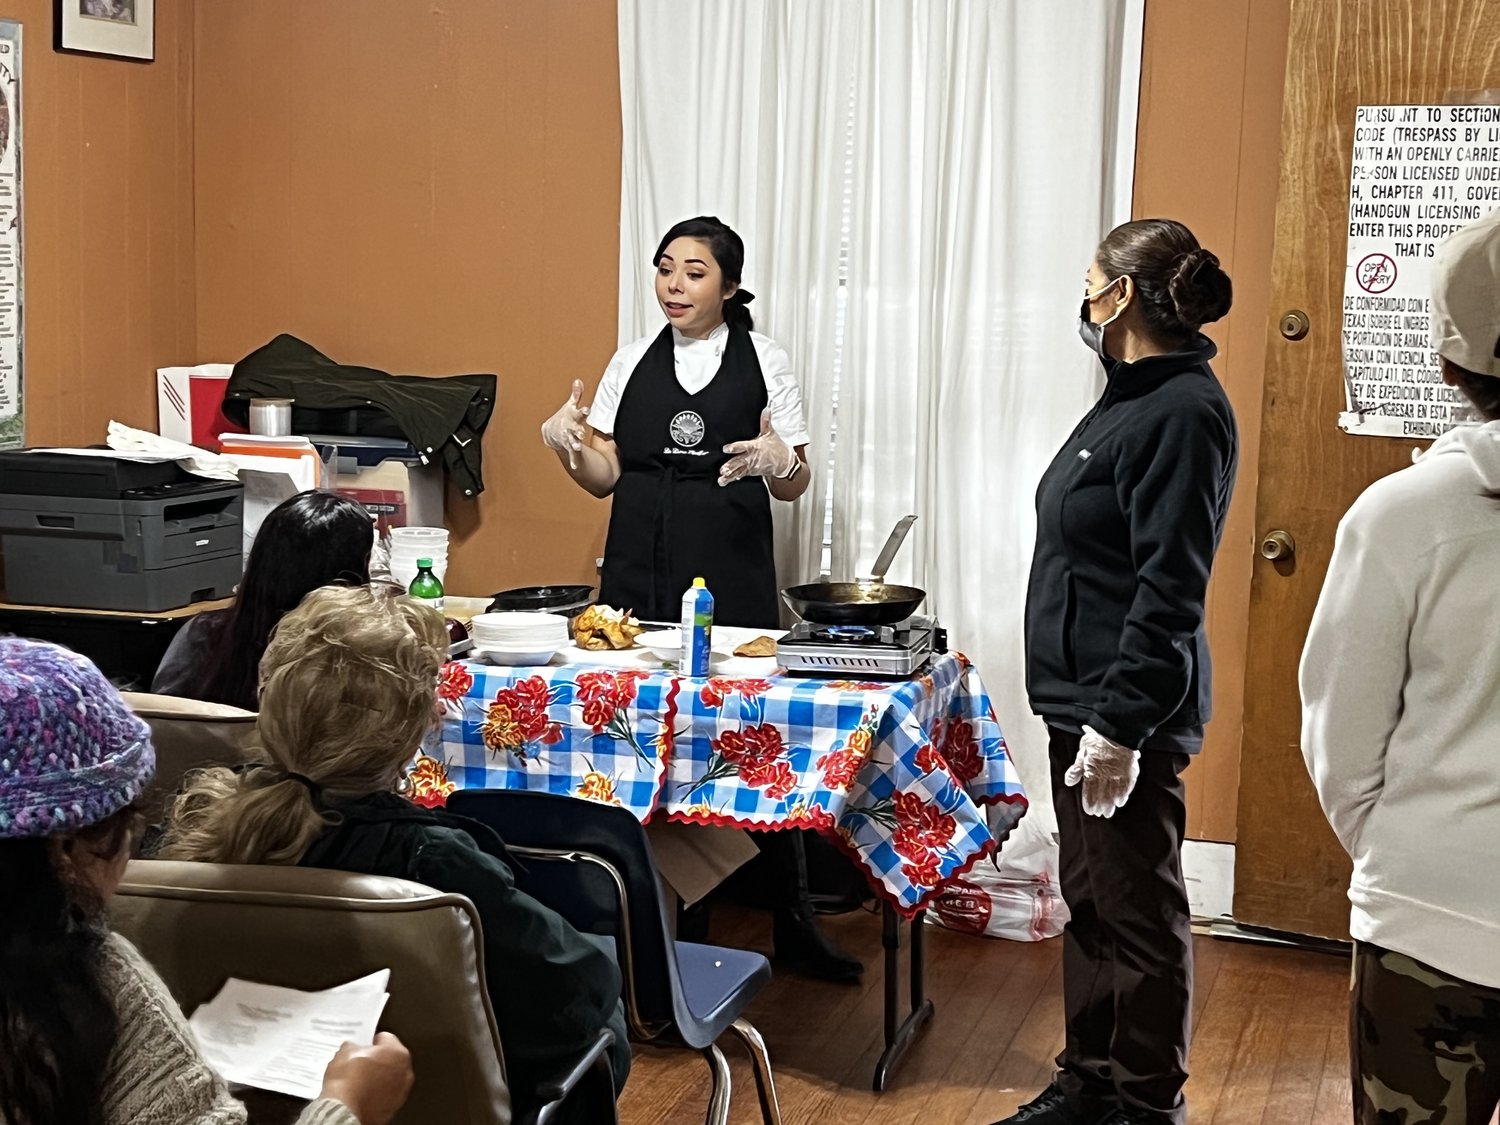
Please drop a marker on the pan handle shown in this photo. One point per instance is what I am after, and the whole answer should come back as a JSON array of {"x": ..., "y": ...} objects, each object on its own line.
[{"x": 892, "y": 545}]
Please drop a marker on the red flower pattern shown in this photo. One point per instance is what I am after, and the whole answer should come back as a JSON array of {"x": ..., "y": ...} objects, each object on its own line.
[
  {"x": 907, "y": 842},
  {"x": 935, "y": 828},
  {"x": 840, "y": 768},
  {"x": 925, "y": 871},
  {"x": 758, "y": 755},
  {"x": 605, "y": 694},
  {"x": 857, "y": 685},
  {"x": 928, "y": 758},
  {"x": 454, "y": 681},
  {"x": 922, "y": 835},
  {"x": 776, "y": 778},
  {"x": 518, "y": 717},
  {"x": 961, "y": 752},
  {"x": 719, "y": 688},
  {"x": 908, "y": 807},
  {"x": 430, "y": 786}
]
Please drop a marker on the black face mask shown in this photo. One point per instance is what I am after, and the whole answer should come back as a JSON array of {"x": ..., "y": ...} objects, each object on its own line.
[{"x": 1093, "y": 334}]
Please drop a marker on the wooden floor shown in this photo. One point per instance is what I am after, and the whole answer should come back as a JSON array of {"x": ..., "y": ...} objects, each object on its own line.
[{"x": 1269, "y": 1047}]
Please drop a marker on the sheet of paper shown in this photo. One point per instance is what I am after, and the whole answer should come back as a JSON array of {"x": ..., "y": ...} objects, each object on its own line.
[
  {"x": 280, "y": 1039},
  {"x": 372, "y": 985},
  {"x": 264, "y": 490}
]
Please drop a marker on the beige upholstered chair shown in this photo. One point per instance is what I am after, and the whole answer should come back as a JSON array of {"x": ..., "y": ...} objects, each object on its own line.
[
  {"x": 189, "y": 733},
  {"x": 199, "y": 923}
]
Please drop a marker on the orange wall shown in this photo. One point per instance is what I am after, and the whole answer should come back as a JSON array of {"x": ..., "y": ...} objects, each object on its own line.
[
  {"x": 435, "y": 189},
  {"x": 1207, "y": 151},
  {"x": 426, "y": 189},
  {"x": 107, "y": 167}
]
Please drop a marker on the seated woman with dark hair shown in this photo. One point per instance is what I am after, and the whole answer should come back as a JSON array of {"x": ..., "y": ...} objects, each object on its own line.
[
  {"x": 89, "y": 1034},
  {"x": 314, "y": 539},
  {"x": 348, "y": 689}
]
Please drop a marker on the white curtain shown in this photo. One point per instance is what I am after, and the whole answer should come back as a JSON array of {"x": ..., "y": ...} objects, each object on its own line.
[{"x": 920, "y": 185}]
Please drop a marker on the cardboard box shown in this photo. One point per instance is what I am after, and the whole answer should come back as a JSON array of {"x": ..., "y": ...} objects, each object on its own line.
[
  {"x": 190, "y": 404},
  {"x": 693, "y": 859}
]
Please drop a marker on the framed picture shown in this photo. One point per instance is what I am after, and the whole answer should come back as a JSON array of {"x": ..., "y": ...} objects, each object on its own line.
[{"x": 119, "y": 28}]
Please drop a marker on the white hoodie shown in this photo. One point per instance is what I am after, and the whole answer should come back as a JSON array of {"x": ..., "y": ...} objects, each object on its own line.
[{"x": 1401, "y": 706}]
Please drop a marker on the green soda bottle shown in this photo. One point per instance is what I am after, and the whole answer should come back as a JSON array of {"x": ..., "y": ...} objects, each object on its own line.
[{"x": 425, "y": 587}]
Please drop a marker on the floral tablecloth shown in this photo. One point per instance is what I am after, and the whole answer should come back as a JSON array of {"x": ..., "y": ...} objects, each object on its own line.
[{"x": 897, "y": 772}]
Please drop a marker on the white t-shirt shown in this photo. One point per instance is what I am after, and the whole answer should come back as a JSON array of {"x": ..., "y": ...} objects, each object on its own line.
[{"x": 697, "y": 362}]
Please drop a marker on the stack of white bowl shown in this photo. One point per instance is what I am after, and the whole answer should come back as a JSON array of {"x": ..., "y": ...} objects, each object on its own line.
[
  {"x": 519, "y": 638},
  {"x": 408, "y": 544}
]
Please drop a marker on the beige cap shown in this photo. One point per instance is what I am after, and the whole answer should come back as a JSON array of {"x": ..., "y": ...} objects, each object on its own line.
[{"x": 1466, "y": 297}]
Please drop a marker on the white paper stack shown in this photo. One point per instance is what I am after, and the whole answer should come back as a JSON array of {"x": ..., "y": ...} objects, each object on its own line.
[{"x": 281, "y": 1039}]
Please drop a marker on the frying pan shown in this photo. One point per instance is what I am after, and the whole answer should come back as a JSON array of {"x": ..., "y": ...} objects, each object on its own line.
[{"x": 860, "y": 603}]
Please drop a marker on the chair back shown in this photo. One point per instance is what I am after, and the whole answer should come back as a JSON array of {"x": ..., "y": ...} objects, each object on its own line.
[
  {"x": 591, "y": 863},
  {"x": 307, "y": 928},
  {"x": 189, "y": 734}
]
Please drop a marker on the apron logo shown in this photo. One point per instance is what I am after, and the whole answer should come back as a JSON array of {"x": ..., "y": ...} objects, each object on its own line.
[{"x": 687, "y": 429}]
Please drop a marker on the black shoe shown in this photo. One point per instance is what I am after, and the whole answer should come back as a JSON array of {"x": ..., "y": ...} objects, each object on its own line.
[
  {"x": 1052, "y": 1107},
  {"x": 803, "y": 946}
]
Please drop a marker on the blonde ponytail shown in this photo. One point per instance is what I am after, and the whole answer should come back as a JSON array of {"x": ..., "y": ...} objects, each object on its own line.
[{"x": 348, "y": 684}]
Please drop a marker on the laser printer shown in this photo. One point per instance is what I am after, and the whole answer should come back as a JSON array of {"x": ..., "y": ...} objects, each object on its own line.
[{"x": 99, "y": 532}]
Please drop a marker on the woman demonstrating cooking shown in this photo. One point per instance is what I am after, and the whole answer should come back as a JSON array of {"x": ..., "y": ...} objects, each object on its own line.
[
  {"x": 1129, "y": 515},
  {"x": 693, "y": 431}
]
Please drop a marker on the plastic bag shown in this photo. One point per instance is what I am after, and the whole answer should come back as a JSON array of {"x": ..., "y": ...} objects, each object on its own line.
[{"x": 1013, "y": 895}]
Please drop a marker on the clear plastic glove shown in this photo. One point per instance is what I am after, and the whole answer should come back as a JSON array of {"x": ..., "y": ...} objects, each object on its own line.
[
  {"x": 564, "y": 431},
  {"x": 763, "y": 456},
  {"x": 1108, "y": 771}
]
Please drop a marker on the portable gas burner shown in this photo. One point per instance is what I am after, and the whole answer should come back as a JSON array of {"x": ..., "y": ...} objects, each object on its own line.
[{"x": 871, "y": 652}]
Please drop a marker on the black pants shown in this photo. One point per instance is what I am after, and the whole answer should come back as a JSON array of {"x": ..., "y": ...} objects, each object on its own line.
[{"x": 1127, "y": 950}]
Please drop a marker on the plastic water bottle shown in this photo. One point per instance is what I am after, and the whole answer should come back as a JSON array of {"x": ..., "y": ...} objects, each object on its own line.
[
  {"x": 697, "y": 629},
  {"x": 426, "y": 587}
]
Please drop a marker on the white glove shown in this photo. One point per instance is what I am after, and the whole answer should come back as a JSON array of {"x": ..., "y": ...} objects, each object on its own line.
[
  {"x": 1108, "y": 772},
  {"x": 764, "y": 456},
  {"x": 564, "y": 430}
]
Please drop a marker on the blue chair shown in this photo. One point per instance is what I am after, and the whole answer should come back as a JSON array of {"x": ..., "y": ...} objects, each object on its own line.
[{"x": 591, "y": 863}]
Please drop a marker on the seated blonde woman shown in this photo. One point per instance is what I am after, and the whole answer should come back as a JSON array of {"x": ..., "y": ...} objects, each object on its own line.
[{"x": 348, "y": 688}]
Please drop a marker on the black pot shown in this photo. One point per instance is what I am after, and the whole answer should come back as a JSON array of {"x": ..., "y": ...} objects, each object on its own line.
[{"x": 569, "y": 601}]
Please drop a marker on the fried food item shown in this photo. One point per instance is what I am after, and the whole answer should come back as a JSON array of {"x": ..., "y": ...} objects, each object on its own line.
[
  {"x": 601, "y": 627},
  {"x": 760, "y": 646}
]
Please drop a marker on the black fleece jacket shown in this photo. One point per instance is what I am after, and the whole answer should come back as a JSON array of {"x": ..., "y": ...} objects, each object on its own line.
[
  {"x": 1129, "y": 515},
  {"x": 552, "y": 988}
]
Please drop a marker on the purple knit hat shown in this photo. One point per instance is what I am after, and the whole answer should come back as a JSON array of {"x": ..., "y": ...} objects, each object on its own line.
[{"x": 71, "y": 752}]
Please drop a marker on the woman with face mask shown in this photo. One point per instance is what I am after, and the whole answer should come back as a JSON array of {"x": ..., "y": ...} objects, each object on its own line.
[{"x": 1129, "y": 515}]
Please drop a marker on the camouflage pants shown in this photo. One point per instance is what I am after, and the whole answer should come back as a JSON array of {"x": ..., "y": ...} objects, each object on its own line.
[{"x": 1424, "y": 1047}]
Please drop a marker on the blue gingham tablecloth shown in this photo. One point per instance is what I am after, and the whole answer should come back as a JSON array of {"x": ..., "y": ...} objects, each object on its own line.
[{"x": 899, "y": 773}]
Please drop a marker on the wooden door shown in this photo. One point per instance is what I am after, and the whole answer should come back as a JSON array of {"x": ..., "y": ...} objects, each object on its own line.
[{"x": 1290, "y": 873}]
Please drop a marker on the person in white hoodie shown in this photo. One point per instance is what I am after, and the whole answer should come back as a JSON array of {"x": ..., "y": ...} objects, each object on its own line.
[{"x": 1401, "y": 731}]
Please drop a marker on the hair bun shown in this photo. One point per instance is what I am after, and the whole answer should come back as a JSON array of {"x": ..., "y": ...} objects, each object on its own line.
[{"x": 1200, "y": 290}]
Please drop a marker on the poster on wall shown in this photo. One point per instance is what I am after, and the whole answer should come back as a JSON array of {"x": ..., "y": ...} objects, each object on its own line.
[
  {"x": 12, "y": 423},
  {"x": 1420, "y": 172}
]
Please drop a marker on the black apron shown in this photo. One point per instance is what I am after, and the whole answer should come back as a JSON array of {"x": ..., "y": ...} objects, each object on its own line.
[{"x": 671, "y": 521}]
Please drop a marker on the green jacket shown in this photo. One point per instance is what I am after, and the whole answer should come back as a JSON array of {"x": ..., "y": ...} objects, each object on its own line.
[{"x": 551, "y": 987}]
